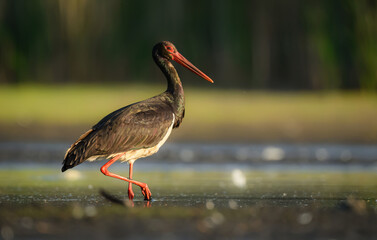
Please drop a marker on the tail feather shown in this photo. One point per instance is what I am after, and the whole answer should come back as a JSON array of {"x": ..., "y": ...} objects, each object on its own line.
[
  {"x": 77, "y": 153},
  {"x": 74, "y": 157},
  {"x": 70, "y": 161}
]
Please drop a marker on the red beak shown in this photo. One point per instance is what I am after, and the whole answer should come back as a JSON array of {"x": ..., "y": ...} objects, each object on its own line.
[{"x": 186, "y": 63}]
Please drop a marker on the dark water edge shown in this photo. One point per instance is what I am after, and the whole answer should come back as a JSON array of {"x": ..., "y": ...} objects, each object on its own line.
[{"x": 199, "y": 192}]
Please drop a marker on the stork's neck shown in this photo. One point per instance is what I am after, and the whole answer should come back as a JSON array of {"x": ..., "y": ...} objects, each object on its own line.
[{"x": 174, "y": 84}]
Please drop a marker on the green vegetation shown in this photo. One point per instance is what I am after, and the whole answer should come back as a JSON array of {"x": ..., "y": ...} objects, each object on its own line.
[
  {"x": 245, "y": 44},
  {"x": 246, "y": 115}
]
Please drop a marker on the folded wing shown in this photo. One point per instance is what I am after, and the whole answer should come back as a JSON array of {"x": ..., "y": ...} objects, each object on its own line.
[{"x": 141, "y": 125}]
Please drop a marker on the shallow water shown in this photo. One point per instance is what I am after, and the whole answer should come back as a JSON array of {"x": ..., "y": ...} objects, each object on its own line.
[
  {"x": 211, "y": 153},
  {"x": 234, "y": 197}
]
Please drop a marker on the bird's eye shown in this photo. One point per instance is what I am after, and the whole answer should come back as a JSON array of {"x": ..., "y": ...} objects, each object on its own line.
[{"x": 170, "y": 49}]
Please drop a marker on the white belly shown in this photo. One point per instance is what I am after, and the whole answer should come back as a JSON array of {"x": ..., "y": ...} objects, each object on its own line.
[{"x": 133, "y": 155}]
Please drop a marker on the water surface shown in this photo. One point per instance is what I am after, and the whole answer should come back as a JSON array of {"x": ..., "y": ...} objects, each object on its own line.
[{"x": 259, "y": 192}]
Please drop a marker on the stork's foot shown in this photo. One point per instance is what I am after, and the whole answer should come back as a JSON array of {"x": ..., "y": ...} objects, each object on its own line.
[
  {"x": 146, "y": 192},
  {"x": 131, "y": 194}
]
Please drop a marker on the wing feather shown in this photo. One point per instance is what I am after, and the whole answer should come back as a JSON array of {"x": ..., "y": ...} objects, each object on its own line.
[{"x": 140, "y": 125}]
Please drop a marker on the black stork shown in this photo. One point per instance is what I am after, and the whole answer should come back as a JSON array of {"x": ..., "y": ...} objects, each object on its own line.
[{"x": 137, "y": 130}]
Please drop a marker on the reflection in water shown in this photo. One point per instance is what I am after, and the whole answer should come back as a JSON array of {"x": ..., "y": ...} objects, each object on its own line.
[
  {"x": 194, "y": 201},
  {"x": 208, "y": 191},
  {"x": 123, "y": 202}
]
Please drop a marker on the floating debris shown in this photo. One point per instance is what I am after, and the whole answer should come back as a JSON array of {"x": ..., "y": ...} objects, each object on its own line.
[
  {"x": 273, "y": 154},
  {"x": 305, "y": 218},
  {"x": 90, "y": 211},
  {"x": 210, "y": 204},
  {"x": 7, "y": 233},
  {"x": 238, "y": 178},
  {"x": 72, "y": 175},
  {"x": 233, "y": 204},
  {"x": 322, "y": 154}
]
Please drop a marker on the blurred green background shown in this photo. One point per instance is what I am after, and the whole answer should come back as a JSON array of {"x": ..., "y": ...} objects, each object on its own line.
[{"x": 298, "y": 71}]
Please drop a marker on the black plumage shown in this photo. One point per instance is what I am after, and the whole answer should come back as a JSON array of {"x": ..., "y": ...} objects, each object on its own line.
[
  {"x": 137, "y": 126},
  {"x": 139, "y": 129}
]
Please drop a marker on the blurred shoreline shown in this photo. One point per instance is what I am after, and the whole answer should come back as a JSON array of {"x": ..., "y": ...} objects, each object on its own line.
[
  {"x": 221, "y": 133},
  {"x": 63, "y": 113}
]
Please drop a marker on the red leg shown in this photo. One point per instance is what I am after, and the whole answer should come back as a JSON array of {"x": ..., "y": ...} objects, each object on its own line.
[
  {"x": 144, "y": 187},
  {"x": 130, "y": 192}
]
